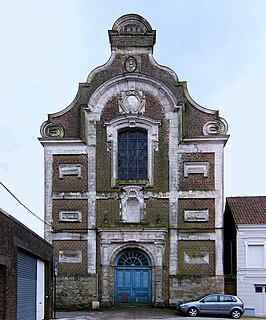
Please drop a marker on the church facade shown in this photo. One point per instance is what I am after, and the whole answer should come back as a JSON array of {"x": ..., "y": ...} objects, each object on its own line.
[{"x": 134, "y": 183}]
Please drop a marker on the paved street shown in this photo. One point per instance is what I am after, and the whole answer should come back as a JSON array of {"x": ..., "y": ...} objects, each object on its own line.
[
  {"x": 129, "y": 313},
  {"x": 119, "y": 313}
]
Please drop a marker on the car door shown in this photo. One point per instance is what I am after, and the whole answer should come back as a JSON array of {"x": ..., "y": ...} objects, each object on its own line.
[
  {"x": 226, "y": 304},
  {"x": 209, "y": 304}
]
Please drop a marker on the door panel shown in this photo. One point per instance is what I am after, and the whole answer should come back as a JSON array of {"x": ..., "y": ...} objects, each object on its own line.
[
  {"x": 141, "y": 288},
  {"x": 209, "y": 304},
  {"x": 260, "y": 301},
  {"x": 133, "y": 285},
  {"x": 209, "y": 307},
  {"x": 123, "y": 286}
]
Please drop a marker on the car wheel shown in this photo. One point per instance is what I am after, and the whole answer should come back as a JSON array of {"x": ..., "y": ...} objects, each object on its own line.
[
  {"x": 236, "y": 314},
  {"x": 192, "y": 312}
]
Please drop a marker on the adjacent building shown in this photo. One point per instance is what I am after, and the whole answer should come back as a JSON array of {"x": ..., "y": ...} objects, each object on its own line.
[
  {"x": 245, "y": 251},
  {"x": 134, "y": 182},
  {"x": 25, "y": 272}
]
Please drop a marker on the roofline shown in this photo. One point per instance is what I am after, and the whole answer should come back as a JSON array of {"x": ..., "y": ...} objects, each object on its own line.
[{"x": 9, "y": 216}]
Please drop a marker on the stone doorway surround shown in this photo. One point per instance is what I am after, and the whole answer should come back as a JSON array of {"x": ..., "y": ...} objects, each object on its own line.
[{"x": 113, "y": 241}]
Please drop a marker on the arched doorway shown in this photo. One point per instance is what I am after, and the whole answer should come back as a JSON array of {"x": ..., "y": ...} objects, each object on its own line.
[{"x": 133, "y": 281}]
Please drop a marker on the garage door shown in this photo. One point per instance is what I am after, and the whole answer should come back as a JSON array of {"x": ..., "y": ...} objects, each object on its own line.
[
  {"x": 26, "y": 286},
  {"x": 260, "y": 301}
]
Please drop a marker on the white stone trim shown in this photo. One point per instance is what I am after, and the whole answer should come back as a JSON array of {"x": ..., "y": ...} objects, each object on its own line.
[
  {"x": 69, "y": 236},
  {"x": 197, "y": 236},
  {"x": 130, "y": 82},
  {"x": 151, "y": 241},
  {"x": 132, "y": 121}
]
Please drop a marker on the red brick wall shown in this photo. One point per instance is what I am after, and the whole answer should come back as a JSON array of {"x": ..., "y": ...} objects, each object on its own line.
[
  {"x": 2, "y": 292},
  {"x": 196, "y": 269},
  {"x": 153, "y": 110},
  {"x": 13, "y": 237},
  {"x": 194, "y": 121},
  {"x": 70, "y": 183},
  {"x": 197, "y": 182},
  {"x": 196, "y": 204},
  {"x": 71, "y": 268},
  {"x": 70, "y": 204}
]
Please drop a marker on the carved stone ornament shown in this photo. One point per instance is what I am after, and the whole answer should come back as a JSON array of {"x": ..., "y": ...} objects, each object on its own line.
[
  {"x": 132, "y": 204},
  {"x": 130, "y": 64},
  {"x": 215, "y": 127},
  {"x": 132, "y": 101},
  {"x": 51, "y": 130}
]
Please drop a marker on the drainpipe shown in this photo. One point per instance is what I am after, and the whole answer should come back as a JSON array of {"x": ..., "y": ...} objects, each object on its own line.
[{"x": 97, "y": 286}]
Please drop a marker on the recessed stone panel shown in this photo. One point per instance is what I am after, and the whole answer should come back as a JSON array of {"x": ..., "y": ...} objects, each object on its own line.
[
  {"x": 196, "y": 215},
  {"x": 70, "y": 256},
  {"x": 69, "y": 169},
  {"x": 196, "y": 168},
  {"x": 196, "y": 257},
  {"x": 70, "y": 216}
]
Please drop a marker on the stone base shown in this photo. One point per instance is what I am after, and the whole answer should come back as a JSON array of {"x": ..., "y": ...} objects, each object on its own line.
[
  {"x": 75, "y": 292},
  {"x": 187, "y": 288},
  {"x": 95, "y": 305}
]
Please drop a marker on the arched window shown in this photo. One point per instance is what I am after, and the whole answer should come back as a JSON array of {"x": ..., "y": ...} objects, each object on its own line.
[
  {"x": 132, "y": 257},
  {"x": 132, "y": 141},
  {"x": 132, "y": 154}
]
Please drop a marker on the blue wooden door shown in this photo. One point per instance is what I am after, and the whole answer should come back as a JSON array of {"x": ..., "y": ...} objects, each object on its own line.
[{"x": 132, "y": 278}]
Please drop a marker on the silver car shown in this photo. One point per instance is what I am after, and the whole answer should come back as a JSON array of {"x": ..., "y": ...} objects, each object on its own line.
[{"x": 223, "y": 304}]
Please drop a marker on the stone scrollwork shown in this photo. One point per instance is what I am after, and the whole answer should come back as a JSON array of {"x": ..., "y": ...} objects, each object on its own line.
[
  {"x": 132, "y": 101},
  {"x": 215, "y": 127},
  {"x": 52, "y": 130},
  {"x": 155, "y": 145}
]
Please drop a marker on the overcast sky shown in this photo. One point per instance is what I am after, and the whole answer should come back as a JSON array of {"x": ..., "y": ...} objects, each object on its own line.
[{"x": 48, "y": 47}]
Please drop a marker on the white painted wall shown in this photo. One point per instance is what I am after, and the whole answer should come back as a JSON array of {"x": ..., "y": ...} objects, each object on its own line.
[
  {"x": 248, "y": 278},
  {"x": 40, "y": 290}
]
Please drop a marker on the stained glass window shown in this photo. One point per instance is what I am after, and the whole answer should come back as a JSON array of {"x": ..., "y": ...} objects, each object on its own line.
[{"x": 132, "y": 154}]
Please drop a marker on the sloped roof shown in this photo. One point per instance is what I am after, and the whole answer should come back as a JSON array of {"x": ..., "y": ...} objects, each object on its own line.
[{"x": 248, "y": 210}]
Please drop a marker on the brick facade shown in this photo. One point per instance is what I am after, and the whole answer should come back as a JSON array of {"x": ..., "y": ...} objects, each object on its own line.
[
  {"x": 2, "y": 292},
  {"x": 15, "y": 237},
  {"x": 174, "y": 215}
]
